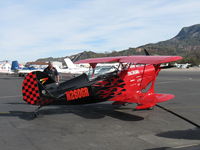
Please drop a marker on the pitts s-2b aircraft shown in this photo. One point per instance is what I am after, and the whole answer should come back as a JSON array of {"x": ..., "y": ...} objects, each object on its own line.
[{"x": 132, "y": 81}]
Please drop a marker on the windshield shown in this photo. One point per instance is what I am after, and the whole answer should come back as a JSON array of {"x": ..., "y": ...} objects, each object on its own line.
[{"x": 100, "y": 70}]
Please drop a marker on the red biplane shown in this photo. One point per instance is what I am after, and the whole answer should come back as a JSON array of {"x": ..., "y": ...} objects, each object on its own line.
[{"x": 132, "y": 81}]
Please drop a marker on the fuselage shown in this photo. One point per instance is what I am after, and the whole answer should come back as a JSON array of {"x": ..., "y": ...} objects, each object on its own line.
[{"x": 127, "y": 85}]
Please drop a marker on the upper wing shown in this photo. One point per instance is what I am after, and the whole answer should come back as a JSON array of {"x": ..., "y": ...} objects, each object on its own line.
[
  {"x": 132, "y": 59},
  {"x": 100, "y": 60},
  {"x": 150, "y": 59}
]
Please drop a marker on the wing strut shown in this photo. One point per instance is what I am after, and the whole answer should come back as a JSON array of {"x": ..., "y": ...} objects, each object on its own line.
[
  {"x": 93, "y": 65},
  {"x": 142, "y": 75}
]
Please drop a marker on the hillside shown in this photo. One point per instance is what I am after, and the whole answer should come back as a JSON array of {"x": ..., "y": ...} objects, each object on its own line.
[{"x": 186, "y": 43}]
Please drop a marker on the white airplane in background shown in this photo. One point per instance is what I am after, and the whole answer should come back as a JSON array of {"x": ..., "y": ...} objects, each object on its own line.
[
  {"x": 182, "y": 66},
  {"x": 71, "y": 68},
  {"x": 5, "y": 68},
  {"x": 24, "y": 71},
  {"x": 38, "y": 66}
]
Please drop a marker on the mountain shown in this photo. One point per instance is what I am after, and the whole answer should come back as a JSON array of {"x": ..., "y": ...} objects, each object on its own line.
[{"x": 186, "y": 43}]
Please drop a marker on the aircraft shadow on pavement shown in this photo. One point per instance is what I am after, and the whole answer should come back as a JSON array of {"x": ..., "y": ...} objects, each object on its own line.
[
  {"x": 20, "y": 114},
  {"x": 16, "y": 103},
  {"x": 161, "y": 148},
  {"x": 189, "y": 147},
  {"x": 10, "y": 78},
  {"x": 96, "y": 111},
  {"x": 191, "y": 134}
]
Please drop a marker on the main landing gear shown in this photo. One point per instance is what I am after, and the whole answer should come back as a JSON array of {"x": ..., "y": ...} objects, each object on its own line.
[{"x": 144, "y": 107}]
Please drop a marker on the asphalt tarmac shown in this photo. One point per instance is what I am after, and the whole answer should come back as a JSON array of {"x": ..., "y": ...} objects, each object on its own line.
[{"x": 100, "y": 126}]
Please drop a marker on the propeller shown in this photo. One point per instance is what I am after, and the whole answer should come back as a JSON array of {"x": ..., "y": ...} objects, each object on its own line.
[
  {"x": 163, "y": 67},
  {"x": 146, "y": 52}
]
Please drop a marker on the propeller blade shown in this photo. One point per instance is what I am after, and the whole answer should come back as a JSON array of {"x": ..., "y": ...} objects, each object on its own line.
[{"x": 146, "y": 52}]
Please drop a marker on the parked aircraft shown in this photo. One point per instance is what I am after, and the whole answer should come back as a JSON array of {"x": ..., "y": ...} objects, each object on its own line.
[
  {"x": 5, "y": 67},
  {"x": 22, "y": 71},
  {"x": 182, "y": 66},
  {"x": 71, "y": 68},
  {"x": 128, "y": 83}
]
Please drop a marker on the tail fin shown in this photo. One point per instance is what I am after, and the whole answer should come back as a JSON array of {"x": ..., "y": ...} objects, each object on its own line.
[
  {"x": 15, "y": 65},
  {"x": 69, "y": 63},
  {"x": 33, "y": 88},
  {"x": 57, "y": 68}
]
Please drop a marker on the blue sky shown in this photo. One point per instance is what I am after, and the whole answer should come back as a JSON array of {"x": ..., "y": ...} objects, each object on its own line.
[{"x": 32, "y": 29}]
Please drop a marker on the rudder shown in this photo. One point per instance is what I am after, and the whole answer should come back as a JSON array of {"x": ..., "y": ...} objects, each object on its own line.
[{"x": 33, "y": 88}]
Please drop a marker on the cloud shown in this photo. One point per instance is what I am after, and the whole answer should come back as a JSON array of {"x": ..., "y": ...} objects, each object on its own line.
[{"x": 35, "y": 28}]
